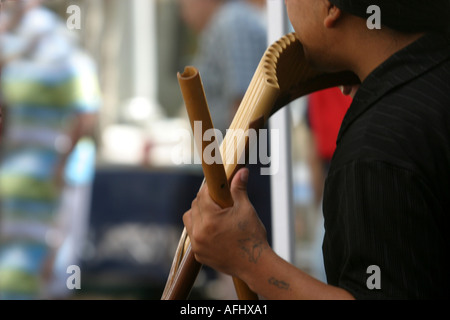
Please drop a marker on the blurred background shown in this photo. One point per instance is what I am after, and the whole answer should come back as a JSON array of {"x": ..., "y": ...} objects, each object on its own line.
[{"x": 121, "y": 222}]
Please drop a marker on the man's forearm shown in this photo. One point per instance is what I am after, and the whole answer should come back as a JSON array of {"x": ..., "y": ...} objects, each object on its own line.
[{"x": 276, "y": 279}]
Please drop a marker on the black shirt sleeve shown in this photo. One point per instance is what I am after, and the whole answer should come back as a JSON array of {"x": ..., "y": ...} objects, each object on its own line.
[{"x": 379, "y": 214}]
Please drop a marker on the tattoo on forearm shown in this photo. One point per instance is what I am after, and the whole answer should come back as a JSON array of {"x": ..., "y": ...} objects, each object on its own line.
[
  {"x": 251, "y": 248},
  {"x": 279, "y": 283}
]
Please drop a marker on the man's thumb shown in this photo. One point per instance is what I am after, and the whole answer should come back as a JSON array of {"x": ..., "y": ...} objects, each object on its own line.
[{"x": 239, "y": 182}]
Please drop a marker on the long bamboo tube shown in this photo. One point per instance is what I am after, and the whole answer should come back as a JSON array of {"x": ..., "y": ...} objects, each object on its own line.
[
  {"x": 282, "y": 76},
  {"x": 215, "y": 177}
]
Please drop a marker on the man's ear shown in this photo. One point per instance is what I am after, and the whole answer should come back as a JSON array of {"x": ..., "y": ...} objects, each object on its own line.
[{"x": 333, "y": 15}]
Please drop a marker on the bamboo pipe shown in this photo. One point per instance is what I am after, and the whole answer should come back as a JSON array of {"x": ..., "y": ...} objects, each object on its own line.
[{"x": 215, "y": 177}]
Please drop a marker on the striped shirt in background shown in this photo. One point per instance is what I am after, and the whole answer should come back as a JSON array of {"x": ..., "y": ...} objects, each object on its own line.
[{"x": 43, "y": 90}]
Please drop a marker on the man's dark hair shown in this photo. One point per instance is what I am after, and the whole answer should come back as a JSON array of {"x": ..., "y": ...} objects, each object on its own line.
[{"x": 407, "y": 16}]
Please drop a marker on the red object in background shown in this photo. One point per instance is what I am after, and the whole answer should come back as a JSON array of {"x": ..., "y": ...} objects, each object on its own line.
[{"x": 326, "y": 110}]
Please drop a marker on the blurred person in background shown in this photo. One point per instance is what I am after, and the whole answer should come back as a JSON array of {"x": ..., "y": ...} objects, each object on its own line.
[
  {"x": 232, "y": 39},
  {"x": 51, "y": 98}
]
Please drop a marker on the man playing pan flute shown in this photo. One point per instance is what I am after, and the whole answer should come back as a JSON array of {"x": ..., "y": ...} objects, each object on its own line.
[{"x": 386, "y": 199}]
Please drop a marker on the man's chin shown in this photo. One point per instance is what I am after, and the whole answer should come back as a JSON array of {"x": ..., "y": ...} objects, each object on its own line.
[
  {"x": 314, "y": 63},
  {"x": 321, "y": 65}
]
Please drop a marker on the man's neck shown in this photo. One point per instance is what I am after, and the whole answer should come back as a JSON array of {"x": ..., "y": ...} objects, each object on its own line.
[{"x": 373, "y": 49}]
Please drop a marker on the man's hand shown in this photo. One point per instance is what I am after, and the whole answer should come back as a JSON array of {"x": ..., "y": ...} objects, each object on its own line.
[
  {"x": 233, "y": 241},
  {"x": 230, "y": 240}
]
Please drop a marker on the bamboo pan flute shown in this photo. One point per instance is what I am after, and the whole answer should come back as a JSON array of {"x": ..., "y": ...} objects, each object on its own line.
[{"x": 282, "y": 76}]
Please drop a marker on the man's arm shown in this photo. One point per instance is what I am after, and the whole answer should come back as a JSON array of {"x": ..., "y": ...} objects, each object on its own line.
[{"x": 234, "y": 241}]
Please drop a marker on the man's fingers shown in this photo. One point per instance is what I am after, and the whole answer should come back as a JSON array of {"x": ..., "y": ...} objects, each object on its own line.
[
  {"x": 238, "y": 186},
  {"x": 240, "y": 180},
  {"x": 205, "y": 202}
]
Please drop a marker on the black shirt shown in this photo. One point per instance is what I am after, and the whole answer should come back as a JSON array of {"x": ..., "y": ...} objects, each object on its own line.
[{"x": 387, "y": 194}]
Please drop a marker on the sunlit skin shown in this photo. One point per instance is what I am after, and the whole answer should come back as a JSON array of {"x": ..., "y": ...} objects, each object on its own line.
[
  {"x": 233, "y": 240},
  {"x": 197, "y": 13}
]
